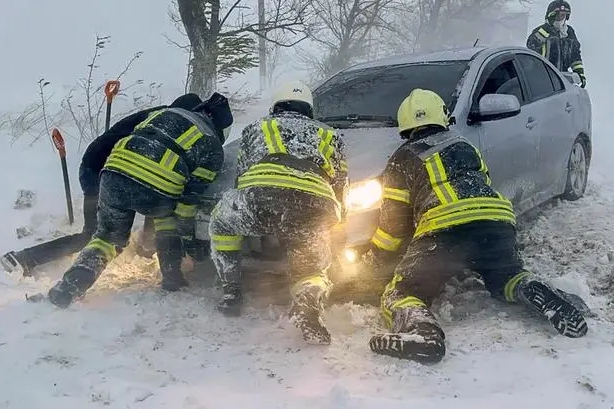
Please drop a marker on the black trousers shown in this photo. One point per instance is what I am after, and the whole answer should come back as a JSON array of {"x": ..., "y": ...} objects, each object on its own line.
[
  {"x": 486, "y": 247},
  {"x": 119, "y": 200}
]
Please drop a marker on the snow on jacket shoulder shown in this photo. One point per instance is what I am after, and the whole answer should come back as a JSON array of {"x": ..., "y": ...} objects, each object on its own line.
[{"x": 302, "y": 137}]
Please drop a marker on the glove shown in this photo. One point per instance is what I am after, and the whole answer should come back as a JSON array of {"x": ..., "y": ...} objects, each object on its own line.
[{"x": 583, "y": 78}]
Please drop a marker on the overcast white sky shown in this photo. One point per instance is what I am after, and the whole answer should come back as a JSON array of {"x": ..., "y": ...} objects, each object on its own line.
[{"x": 55, "y": 39}]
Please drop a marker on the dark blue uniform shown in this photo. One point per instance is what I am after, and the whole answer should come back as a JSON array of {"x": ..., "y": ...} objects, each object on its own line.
[{"x": 159, "y": 170}]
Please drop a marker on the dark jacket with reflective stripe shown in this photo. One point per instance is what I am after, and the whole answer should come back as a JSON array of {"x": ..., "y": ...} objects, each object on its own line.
[
  {"x": 302, "y": 137},
  {"x": 442, "y": 174},
  {"x": 563, "y": 53},
  {"x": 188, "y": 148},
  {"x": 100, "y": 148}
]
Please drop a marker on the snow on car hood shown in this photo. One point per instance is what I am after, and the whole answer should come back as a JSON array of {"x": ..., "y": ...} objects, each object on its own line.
[{"x": 368, "y": 150}]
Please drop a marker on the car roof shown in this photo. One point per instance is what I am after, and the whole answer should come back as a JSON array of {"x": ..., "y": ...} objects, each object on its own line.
[{"x": 459, "y": 54}]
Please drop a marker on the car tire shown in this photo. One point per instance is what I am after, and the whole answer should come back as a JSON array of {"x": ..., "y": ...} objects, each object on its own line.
[{"x": 577, "y": 171}]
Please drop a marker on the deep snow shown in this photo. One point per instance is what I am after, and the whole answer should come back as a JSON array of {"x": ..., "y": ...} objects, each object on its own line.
[{"x": 127, "y": 346}]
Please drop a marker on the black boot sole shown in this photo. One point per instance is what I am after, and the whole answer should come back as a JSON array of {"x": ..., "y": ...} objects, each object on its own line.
[
  {"x": 409, "y": 346},
  {"x": 562, "y": 314}
]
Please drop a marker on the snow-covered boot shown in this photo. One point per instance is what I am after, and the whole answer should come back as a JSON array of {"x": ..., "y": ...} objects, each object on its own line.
[
  {"x": 173, "y": 281},
  {"x": 553, "y": 304},
  {"x": 306, "y": 311},
  {"x": 73, "y": 285},
  {"x": 416, "y": 335},
  {"x": 13, "y": 262},
  {"x": 169, "y": 255},
  {"x": 232, "y": 301}
]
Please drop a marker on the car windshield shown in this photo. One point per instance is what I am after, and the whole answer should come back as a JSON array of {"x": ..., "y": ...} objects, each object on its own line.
[{"x": 374, "y": 94}]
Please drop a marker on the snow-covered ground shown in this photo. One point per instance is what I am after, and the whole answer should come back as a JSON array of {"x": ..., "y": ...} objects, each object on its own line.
[{"x": 127, "y": 346}]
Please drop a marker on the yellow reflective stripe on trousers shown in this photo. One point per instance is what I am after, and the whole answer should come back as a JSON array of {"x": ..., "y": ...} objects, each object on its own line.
[
  {"x": 405, "y": 302},
  {"x": 385, "y": 241},
  {"x": 272, "y": 137},
  {"x": 185, "y": 210},
  {"x": 226, "y": 243},
  {"x": 400, "y": 195},
  {"x": 205, "y": 174},
  {"x": 165, "y": 224},
  {"x": 509, "y": 290},
  {"x": 326, "y": 149},
  {"x": 439, "y": 179},
  {"x": 107, "y": 249},
  {"x": 267, "y": 174}
]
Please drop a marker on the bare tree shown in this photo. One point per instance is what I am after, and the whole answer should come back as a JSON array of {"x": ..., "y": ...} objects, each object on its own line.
[
  {"x": 86, "y": 101},
  {"x": 222, "y": 36},
  {"x": 276, "y": 58},
  {"x": 344, "y": 32},
  {"x": 427, "y": 25}
]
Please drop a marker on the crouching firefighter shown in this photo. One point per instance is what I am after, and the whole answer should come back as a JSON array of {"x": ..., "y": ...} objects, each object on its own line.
[
  {"x": 159, "y": 171},
  {"x": 438, "y": 194},
  {"x": 292, "y": 178}
]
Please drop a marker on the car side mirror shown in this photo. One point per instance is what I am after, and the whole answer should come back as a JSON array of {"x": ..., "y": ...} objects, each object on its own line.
[{"x": 496, "y": 106}]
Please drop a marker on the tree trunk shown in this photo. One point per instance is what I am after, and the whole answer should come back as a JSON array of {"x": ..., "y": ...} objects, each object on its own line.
[{"x": 203, "y": 34}]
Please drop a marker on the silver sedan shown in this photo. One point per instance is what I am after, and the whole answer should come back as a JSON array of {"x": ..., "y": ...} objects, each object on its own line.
[{"x": 531, "y": 122}]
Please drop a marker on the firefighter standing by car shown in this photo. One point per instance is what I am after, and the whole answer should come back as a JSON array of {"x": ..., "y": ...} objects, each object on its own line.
[
  {"x": 291, "y": 184},
  {"x": 92, "y": 163},
  {"x": 437, "y": 193},
  {"x": 557, "y": 41},
  {"x": 160, "y": 171}
]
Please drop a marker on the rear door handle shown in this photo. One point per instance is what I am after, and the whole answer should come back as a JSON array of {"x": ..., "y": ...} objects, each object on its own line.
[
  {"x": 531, "y": 123},
  {"x": 568, "y": 107}
]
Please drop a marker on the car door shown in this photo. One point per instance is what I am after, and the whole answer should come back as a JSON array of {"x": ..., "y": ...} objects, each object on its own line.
[
  {"x": 552, "y": 109},
  {"x": 509, "y": 145}
]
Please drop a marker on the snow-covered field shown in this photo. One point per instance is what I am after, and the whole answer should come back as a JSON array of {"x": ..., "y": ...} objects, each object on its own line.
[{"x": 127, "y": 346}]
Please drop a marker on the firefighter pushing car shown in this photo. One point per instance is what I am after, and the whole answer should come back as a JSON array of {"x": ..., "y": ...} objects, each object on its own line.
[
  {"x": 438, "y": 196},
  {"x": 160, "y": 170},
  {"x": 292, "y": 183}
]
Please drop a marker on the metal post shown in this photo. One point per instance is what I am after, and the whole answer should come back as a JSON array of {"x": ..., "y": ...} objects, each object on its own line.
[{"x": 261, "y": 45}]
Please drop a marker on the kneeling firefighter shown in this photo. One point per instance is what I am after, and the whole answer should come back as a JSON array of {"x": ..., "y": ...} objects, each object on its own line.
[
  {"x": 291, "y": 184},
  {"x": 438, "y": 194},
  {"x": 159, "y": 171}
]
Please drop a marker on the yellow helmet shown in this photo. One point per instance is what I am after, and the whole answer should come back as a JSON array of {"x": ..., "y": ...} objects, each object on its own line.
[{"x": 422, "y": 107}]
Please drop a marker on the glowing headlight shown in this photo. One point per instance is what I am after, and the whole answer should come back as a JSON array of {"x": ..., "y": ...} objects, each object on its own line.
[
  {"x": 364, "y": 195},
  {"x": 350, "y": 255}
]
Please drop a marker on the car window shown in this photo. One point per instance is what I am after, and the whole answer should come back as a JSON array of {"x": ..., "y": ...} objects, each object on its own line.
[
  {"x": 556, "y": 80},
  {"x": 380, "y": 90},
  {"x": 503, "y": 80},
  {"x": 536, "y": 75}
]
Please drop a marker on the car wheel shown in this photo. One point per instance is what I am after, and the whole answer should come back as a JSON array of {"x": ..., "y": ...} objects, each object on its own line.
[{"x": 577, "y": 172}]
